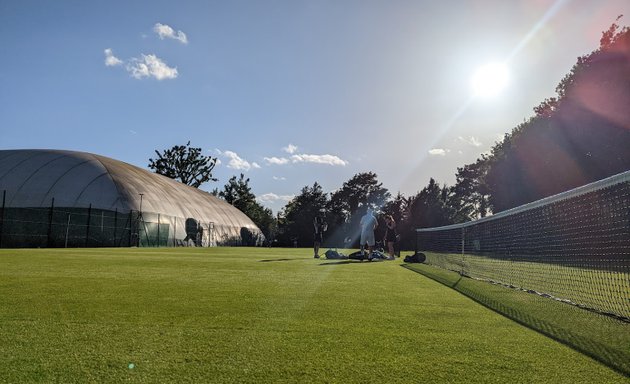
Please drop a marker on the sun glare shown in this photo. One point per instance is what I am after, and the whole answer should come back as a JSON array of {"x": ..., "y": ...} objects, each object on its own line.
[{"x": 490, "y": 79}]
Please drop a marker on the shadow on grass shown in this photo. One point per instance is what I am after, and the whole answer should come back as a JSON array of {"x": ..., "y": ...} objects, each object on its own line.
[
  {"x": 601, "y": 337},
  {"x": 272, "y": 260},
  {"x": 348, "y": 261},
  {"x": 352, "y": 261}
]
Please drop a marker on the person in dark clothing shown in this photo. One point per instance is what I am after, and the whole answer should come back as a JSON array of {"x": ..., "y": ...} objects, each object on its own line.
[
  {"x": 390, "y": 235},
  {"x": 319, "y": 226}
]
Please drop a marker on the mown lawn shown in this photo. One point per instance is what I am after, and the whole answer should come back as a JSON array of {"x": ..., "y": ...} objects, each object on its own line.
[{"x": 256, "y": 315}]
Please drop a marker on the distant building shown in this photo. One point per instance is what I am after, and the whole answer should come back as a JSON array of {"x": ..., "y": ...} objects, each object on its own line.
[{"x": 55, "y": 198}]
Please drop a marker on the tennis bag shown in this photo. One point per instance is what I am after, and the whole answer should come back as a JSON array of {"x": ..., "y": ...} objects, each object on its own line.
[
  {"x": 376, "y": 255},
  {"x": 417, "y": 257},
  {"x": 333, "y": 254}
]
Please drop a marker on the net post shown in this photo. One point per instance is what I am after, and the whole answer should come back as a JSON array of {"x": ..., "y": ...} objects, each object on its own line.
[
  {"x": 158, "y": 232},
  {"x": 463, "y": 253},
  {"x": 415, "y": 245}
]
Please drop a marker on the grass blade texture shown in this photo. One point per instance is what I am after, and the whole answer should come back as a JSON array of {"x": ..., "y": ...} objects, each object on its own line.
[{"x": 257, "y": 315}]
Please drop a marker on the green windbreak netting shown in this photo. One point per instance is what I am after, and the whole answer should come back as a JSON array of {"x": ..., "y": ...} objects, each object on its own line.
[{"x": 58, "y": 227}]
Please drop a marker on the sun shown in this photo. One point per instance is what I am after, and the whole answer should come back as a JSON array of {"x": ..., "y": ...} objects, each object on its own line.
[{"x": 490, "y": 79}]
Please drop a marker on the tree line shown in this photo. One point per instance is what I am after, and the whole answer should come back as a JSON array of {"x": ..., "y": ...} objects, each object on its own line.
[
  {"x": 579, "y": 136},
  {"x": 343, "y": 209}
]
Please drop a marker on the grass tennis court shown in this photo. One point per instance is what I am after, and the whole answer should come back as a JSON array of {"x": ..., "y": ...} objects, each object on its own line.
[{"x": 256, "y": 315}]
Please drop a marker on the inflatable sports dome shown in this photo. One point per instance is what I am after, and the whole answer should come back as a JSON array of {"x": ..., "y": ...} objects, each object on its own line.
[{"x": 56, "y": 198}]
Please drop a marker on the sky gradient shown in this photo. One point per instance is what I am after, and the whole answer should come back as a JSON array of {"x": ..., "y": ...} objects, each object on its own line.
[{"x": 287, "y": 92}]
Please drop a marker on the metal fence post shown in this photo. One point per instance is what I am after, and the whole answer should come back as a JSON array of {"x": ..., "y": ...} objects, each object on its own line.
[
  {"x": 130, "y": 225},
  {"x": 158, "y": 231},
  {"x": 4, "y": 197},
  {"x": 67, "y": 230},
  {"x": 87, "y": 231},
  {"x": 50, "y": 219},
  {"x": 115, "y": 225},
  {"x": 211, "y": 234}
]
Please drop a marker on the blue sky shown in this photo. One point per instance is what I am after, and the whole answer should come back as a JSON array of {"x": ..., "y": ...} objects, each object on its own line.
[{"x": 287, "y": 92}]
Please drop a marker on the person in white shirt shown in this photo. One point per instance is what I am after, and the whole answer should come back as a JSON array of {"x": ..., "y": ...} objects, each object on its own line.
[{"x": 368, "y": 225}]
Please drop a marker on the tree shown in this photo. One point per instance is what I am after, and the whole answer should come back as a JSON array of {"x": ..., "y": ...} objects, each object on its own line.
[
  {"x": 579, "y": 136},
  {"x": 547, "y": 108},
  {"x": 298, "y": 214},
  {"x": 399, "y": 209},
  {"x": 431, "y": 207},
  {"x": 185, "y": 164},
  {"x": 470, "y": 192},
  {"x": 237, "y": 192},
  {"x": 352, "y": 200},
  {"x": 264, "y": 219},
  {"x": 362, "y": 191}
]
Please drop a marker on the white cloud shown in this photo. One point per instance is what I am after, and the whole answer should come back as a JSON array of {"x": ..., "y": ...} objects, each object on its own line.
[
  {"x": 217, "y": 153},
  {"x": 236, "y": 162},
  {"x": 255, "y": 165},
  {"x": 150, "y": 66},
  {"x": 110, "y": 59},
  {"x": 164, "y": 30},
  {"x": 437, "y": 152},
  {"x": 276, "y": 160},
  {"x": 471, "y": 140},
  {"x": 318, "y": 159},
  {"x": 290, "y": 148},
  {"x": 279, "y": 178},
  {"x": 270, "y": 197},
  {"x": 305, "y": 158}
]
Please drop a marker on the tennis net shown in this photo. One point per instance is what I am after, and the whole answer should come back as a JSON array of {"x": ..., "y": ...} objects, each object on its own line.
[{"x": 571, "y": 248}]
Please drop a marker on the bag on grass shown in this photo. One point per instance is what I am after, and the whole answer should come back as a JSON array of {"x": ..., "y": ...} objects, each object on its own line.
[
  {"x": 417, "y": 257},
  {"x": 378, "y": 255},
  {"x": 357, "y": 256},
  {"x": 333, "y": 254}
]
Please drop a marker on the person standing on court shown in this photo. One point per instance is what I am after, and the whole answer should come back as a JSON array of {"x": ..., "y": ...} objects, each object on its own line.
[
  {"x": 368, "y": 225},
  {"x": 390, "y": 235},
  {"x": 319, "y": 226}
]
